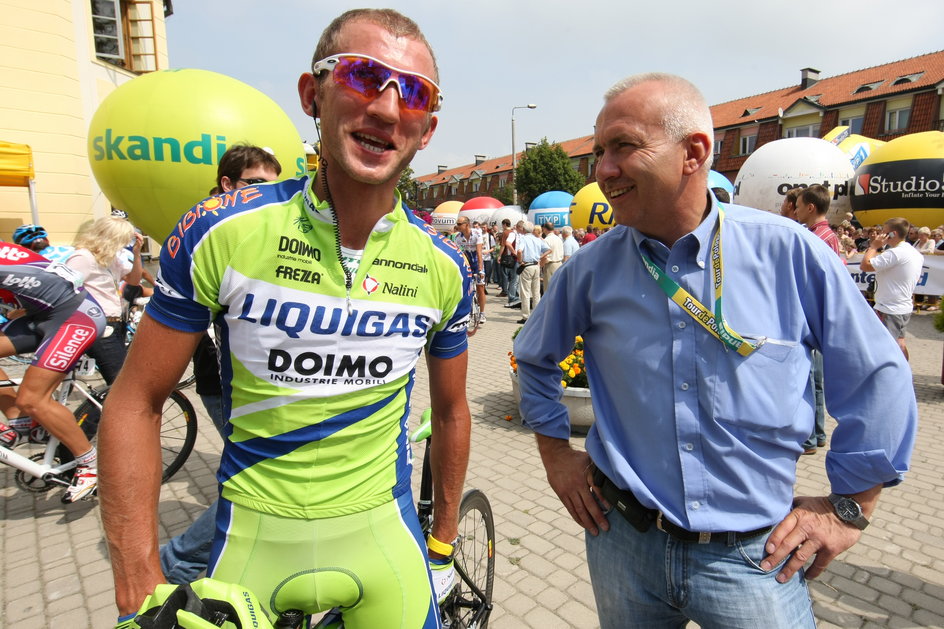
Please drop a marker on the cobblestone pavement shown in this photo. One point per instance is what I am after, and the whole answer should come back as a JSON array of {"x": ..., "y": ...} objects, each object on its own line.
[{"x": 56, "y": 572}]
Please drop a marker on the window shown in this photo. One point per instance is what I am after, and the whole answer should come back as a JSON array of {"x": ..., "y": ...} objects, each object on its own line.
[
  {"x": 868, "y": 87},
  {"x": 719, "y": 144},
  {"x": 748, "y": 142},
  {"x": 808, "y": 131},
  {"x": 453, "y": 190},
  {"x": 476, "y": 185},
  {"x": 854, "y": 124},
  {"x": 897, "y": 119},
  {"x": 435, "y": 191},
  {"x": 908, "y": 78},
  {"x": 750, "y": 111},
  {"x": 106, "y": 26}
]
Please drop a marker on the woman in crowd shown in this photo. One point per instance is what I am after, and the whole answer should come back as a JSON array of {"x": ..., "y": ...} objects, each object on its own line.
[{"x": 101, "y": 258}]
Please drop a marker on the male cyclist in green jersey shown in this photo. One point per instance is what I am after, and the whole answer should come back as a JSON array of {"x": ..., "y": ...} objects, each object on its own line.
[{"x": 326, "y": 292}]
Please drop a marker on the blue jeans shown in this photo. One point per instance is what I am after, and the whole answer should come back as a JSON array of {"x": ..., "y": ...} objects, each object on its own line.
[
  {"x": 511, "y": 284},
  {"x": 185, "y": 557},
  {"x": 819, "y": 401},
  {"x": 653, "y": 581}
]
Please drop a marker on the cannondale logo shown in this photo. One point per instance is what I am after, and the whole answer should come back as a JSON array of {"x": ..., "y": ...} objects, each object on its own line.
[
  {"x": 370, "y": 285},
  {"x": 302, "y": 224}
]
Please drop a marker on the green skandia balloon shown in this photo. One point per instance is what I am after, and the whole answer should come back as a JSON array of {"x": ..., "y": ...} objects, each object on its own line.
[{"x": 155, "y": 142}]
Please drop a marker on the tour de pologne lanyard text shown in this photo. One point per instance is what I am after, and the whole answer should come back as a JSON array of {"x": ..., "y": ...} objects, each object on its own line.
[{"x": 714, "y": 323}]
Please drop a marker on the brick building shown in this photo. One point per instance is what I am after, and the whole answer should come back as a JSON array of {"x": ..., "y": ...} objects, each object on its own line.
[{"x": 881, "y": 102}]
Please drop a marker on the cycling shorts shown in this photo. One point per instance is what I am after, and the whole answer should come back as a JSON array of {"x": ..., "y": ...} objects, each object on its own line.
[
  {"x": 473, "y": 258},
  {"x": 60, "y": 336},
  {"x": 372, "y": 564}
]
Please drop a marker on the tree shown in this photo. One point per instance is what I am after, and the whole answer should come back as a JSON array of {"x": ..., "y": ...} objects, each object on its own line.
[
  {"x": 503, "y": 194},
  {"x": 409, "y": 190},
  {"x": 543, "y": 168}
]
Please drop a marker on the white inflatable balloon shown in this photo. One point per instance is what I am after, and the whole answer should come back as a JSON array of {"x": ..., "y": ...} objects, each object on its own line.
[
  {"x": 512, "y": 212},
  {"x": 774, "y": 168}
]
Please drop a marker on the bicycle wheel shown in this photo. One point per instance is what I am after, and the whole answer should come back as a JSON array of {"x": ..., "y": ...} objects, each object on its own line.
[
  {"x": 178, "y": 433},
  {"x": 470, "y": 603},
  {"x": 178, "y": 428}
]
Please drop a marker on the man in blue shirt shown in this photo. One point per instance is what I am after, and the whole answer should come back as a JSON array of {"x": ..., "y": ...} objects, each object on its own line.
[
  {"x": 532, "y": 252},
  {"x": 698, "y": 325}
]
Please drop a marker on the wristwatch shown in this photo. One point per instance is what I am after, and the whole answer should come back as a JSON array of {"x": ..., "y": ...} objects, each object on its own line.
[{"x": 848, "y": 510}]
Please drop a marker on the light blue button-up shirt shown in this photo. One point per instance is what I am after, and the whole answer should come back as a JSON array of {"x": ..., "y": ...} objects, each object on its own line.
[
  {"x": 692, "y": 428},
  {"x": 531, "y": 247}
]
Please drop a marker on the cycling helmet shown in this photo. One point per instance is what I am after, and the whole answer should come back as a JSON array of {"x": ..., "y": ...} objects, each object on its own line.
[
  {"x": 203, "y": 604},
  {"x": 26, "y": 234}
]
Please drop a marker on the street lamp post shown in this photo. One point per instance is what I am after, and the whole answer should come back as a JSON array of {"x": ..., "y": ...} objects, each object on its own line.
[{"x": 514, "y": 156}]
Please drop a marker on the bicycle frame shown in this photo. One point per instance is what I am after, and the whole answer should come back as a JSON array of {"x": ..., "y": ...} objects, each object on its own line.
[{"x": 46, "y": 470}]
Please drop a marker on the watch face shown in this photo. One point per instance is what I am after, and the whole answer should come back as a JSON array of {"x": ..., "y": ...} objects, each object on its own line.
[{"x": 848, "y": 510}]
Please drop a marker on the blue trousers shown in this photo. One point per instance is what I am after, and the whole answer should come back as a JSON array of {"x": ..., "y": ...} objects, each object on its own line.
[
  {"x": 819, "y": 400},
  {"x": 653, "y": 581}
]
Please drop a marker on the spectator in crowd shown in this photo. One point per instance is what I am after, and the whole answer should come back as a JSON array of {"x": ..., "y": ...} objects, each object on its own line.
[
  {"x": 897, "y": 270},
  {"x": 927, "y": 246},
  {"x": 690, "y": 465},
  {"x": 555, "y": 256},
  {"x": 570, "y": 242},
  {"x": 98, "y": 257},
  {"x": 532, "y": 253},
  {"x": 722, "y": 195},
  {"x": 590, "y": 236},
  {"x": 788, "y": 205},
  {"x": 848, "y": 247},
  {"x": 509, "y": 263}
]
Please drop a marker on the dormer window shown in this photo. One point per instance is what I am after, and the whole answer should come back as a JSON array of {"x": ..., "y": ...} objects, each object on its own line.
[
  {"x": 908, "y": 78},
  {"x": 868, "y": 87},
  {"x": 750, "y": 111}
]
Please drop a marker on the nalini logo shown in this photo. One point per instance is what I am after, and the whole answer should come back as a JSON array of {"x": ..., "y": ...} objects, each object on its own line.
[{"x": 370, "y": 285}]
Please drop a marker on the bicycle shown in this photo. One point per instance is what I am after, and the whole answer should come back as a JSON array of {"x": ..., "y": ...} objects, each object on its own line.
[{"x": 55, "y": 465}]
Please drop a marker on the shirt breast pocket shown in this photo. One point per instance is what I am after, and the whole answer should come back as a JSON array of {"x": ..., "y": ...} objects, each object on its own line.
[{"x": 759, "y": 392}]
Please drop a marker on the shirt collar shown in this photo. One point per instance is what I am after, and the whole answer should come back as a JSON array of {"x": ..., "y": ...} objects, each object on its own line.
[
  {"x": 322, "y": 210},
  {"x": 702, "y": 234}
]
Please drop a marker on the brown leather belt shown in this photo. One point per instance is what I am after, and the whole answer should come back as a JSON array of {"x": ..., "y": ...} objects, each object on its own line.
[{"x": 642, "y": 518}]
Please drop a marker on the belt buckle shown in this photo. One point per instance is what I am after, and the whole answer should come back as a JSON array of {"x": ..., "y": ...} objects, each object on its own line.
[{"x": 659, "y": 523}]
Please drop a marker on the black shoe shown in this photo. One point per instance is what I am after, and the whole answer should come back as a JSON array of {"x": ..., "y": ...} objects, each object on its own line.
[
  {"x": 503, "y": 294},
  {"x": 516, "y": 304},
  {"x": 522, "y": 320},
  {"x": 820, "y": 443}
]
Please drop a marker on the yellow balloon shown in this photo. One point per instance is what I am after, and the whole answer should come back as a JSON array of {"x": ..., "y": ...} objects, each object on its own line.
[
  {"x": 902, "y": 179},
  {"x": 155, "y": 142},
  {"x": 590, "y": 208},
  {"x": 444, "y": 216}
]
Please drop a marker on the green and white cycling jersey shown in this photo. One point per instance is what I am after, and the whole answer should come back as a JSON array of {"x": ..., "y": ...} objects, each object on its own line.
[{"x": 316, "y": 369}]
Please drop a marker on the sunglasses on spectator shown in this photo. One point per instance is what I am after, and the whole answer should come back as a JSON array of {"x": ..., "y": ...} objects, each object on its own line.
[
  {"x": 369, "y": 77},
  {"x": 255, "y": 181}
]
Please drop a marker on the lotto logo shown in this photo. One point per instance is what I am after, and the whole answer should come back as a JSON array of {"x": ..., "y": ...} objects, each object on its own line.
[
  {"x": 14, "y": 254},
  {"x": 25, "y": 282}
]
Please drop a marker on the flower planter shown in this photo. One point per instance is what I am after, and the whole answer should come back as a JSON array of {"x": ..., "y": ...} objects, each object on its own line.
[{"x": 576, "y": 399}]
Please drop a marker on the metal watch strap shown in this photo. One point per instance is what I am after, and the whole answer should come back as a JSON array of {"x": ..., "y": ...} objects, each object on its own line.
[{"x": 838, "y": 502}]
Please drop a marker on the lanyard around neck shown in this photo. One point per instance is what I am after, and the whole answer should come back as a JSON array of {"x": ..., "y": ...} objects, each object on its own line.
[{"x": 713, "y": 322}]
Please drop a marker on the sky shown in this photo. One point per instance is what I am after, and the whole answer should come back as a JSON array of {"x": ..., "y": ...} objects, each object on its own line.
[{"x": 561, "y": 55}]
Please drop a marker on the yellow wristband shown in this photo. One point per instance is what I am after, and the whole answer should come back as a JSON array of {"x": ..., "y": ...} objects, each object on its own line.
[{"x": 437, "y": 546}]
